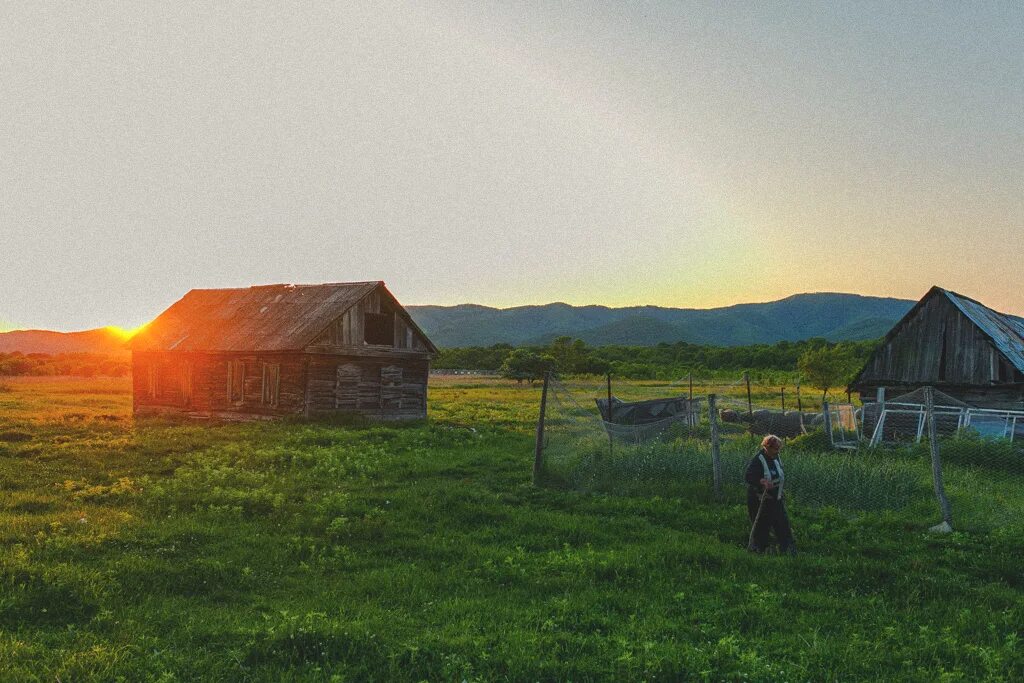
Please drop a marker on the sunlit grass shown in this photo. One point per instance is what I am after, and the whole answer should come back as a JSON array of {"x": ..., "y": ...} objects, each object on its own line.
[{"x": 167, "y": 551}]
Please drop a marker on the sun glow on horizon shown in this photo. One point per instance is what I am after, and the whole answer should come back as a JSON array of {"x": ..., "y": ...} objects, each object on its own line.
[{"x": 126, "y": 334}]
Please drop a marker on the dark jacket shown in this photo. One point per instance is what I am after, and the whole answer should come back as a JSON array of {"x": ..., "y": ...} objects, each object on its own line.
[{"x": 755, "y": 473}]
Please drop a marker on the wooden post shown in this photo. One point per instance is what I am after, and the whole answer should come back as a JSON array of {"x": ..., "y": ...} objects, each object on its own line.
[
  {"x": 783, "y": 399},
  {"x": 689, "y": 404},
  {"x": 750, "y": 405},
  {"x": 933, "y": 444},
  {"x": 827, "y": 421},
  {"x": 716, "y": 459},
  {"x": 538, "y": 454},
  {"x": 799, "y": 403},
  {"x": 611, "y": 440},
  {"x": 849, "y": 395}
]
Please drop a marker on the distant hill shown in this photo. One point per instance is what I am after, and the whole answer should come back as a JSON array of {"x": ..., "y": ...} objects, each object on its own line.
[
  {"x": 101, "y": 340},
  {"x": 836, "y": 317}
]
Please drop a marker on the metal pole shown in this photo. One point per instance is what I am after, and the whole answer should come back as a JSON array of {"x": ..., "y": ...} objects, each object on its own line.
[
  {"x": 538, "y": 454},
  {"x": 716, "y": 460},
  {"x": 933, "y": 444}
]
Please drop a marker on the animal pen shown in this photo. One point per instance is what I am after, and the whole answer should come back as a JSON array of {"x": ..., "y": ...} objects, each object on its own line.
[{"x": 664, "y": 440}]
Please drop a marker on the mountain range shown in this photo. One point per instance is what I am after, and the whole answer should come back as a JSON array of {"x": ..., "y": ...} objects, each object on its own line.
[
  {"x": 835, "y": 317},
  {"x": 102, "y": 340}
]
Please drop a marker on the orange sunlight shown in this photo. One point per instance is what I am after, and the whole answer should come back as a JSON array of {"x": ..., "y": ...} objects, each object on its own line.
[{"x": 126, "y": 334}]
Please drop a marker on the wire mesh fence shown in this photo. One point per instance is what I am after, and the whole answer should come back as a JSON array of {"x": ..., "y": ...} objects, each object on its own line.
[{"x": 659, "y": 439}]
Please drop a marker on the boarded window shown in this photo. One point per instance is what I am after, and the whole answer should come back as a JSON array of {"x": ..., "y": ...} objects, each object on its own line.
[
  {"x": 271, "y": 384},
  {"x": 236, "y": 381},
  {"x": 346, "y": 387},
  {"x": 186, "y": 384},
  {"x": 380, "y": 329},
  {"x": 152, "y": 384},
  {"x": 391, "y": 388}
]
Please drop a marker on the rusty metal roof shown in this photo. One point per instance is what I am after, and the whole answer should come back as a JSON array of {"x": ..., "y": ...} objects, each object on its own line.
[
  {"x": 1005, "y": 331},
  {"x": 261, "y": 318}
]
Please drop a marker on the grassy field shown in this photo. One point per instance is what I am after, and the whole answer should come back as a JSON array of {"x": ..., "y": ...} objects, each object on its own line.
[{"x": 168, "y": 551}]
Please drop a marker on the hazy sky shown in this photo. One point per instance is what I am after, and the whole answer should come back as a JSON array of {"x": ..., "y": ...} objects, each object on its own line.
[{"x": 677, "y": 154}]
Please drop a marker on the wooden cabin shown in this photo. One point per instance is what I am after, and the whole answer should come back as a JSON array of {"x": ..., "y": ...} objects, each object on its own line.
[
  {"x": 276, "y": 350},
  {"x": 955, "y": 344}
]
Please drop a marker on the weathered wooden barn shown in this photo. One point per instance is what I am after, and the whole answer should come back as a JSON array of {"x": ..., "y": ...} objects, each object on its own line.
[
  {"x": 955, "y": 344},
  {"x": 278, "y": 350}
]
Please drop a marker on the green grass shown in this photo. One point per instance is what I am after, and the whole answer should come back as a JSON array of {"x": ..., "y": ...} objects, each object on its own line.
[{"x": 315, "y": 552}]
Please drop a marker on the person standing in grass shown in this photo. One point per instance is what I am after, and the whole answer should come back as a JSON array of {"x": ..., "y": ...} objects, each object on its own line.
[{"x": 765, "y": 484}]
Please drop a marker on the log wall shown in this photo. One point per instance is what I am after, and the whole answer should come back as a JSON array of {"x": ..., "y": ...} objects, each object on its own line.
[
  {"x": 198, "y": 383},
  {"x": 382, "y": 387},
  {"x": 388, "y": 387}
]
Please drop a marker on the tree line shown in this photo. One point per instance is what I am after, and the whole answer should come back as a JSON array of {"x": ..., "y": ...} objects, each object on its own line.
[
  {"x": 81, "y": 364},
  {"x": 822, "y": 363}
]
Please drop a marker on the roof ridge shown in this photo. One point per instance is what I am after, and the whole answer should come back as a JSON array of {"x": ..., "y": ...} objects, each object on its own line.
[{"x": 287, "y": 284}]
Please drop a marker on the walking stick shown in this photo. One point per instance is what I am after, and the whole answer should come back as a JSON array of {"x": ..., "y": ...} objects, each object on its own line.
[{"x": 750, "y": 541}]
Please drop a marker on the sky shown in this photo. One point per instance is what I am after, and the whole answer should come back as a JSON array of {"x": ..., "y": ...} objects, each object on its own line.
[{"x": 677, "y": 154}]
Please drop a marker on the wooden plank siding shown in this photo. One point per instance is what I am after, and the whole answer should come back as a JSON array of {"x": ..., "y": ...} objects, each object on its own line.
[
  {"x": 938, "y": 345},
  {"x": 349, "y": 329}
]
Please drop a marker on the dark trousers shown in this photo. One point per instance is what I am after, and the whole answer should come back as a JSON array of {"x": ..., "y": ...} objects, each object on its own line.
[{"x": 773, "y": 518}]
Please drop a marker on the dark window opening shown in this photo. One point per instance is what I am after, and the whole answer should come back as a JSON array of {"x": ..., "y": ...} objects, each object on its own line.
[{"x": 380, "y": 329}]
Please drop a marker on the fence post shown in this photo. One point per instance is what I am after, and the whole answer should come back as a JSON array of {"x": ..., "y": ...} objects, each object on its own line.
[
  {"x": 611, "y": 442},
  {"x": 750, "y": 405},
  {"x": 689, "y": 405},
  {"x": 716, "y": 459},
  {"x": 826, "y": 418},
  {"x": 538, "y": 453},
  {"x": 933, "y": 444},
  {"x": 783, "y": 399}
]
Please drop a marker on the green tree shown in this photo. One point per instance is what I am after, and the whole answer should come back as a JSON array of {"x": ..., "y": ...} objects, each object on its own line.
[
  {"x": 826, "y": 367},
  {"x": 523, "y": 364}
]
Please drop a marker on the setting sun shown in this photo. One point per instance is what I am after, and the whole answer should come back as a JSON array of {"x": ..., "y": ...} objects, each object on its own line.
[{"x": 126, "y": 334}]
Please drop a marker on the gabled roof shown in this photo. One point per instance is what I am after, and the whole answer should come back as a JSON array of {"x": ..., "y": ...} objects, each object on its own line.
[
  {"x": 261, "y": 318},
  {"x": 1005, "y": 331}
]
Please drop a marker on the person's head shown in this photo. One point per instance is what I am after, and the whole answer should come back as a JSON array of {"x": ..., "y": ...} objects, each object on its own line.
[{"x": 771, "y": 445}]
